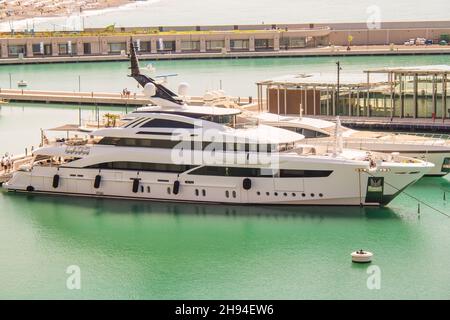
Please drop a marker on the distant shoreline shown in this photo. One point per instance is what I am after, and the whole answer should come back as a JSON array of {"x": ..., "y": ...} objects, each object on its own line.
[{"x": 15, "y": 12}]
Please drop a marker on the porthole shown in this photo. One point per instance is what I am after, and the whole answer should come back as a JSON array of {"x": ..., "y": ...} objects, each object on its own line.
[
  {"x": 275, "y": 194},
  {"x": 148, "y": 189},
  {"x": 204, "y": 192},
  {"x": 320, "y": 195},
  {"x": 168, "y": 190},
  {"x": 258, "y": 193},
  {"x": 285, "y": 194},
  {"x": 196, "y": 192},
  {"x": 142, "y": 188},
  {"x": 312, "y": 195},
  {"x": 234, "y": 194},
  {"x": 267, "y": 194},
  {"x": 293, "y": 194},
  {"x": 227, "y": 194},
  {"x": 303, "y": 195}
]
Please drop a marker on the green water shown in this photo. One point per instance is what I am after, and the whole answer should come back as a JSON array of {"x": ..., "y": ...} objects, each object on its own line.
[
  {"x": 238, "y": 76},
  {"x": 135, "y": 250}
]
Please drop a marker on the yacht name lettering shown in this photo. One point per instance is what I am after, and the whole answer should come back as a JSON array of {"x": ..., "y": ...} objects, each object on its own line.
[{"x": 78, "y": 150}]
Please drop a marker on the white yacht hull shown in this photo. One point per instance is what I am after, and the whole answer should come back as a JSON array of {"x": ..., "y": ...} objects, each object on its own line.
[{"x": 346, "y": 186}]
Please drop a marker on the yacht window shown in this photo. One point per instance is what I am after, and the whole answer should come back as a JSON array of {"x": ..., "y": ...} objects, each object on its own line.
[
  {"x": 287, "y": 173},
  {"x": 307, "y": 132},
  {"x": 165, "y": 123},
  {"x": 142, "y": 166},
  {"x": 232, "y": 172},
  {"x": 131, "y": 142},
  {"x": 228, "y": 119},
  {"x": 155, "y": 133}
]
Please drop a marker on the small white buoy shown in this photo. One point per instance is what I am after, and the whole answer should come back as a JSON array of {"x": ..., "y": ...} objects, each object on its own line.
[{"x": 362, "y": 256}]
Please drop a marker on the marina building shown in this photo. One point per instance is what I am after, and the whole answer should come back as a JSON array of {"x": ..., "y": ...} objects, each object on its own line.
[
  {"x": 403, "y": 92},
  {"x": 111, "y": 41}
]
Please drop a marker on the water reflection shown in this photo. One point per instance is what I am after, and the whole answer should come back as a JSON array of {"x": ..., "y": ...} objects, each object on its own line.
[{"x": 136, "y": 207}]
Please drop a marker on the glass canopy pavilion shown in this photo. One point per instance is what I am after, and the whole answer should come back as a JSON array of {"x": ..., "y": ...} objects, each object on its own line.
[{"x": 406, "y": 92}]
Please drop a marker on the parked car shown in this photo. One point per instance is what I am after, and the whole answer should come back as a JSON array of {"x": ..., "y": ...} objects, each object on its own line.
[
  {"x": 428, "y": 42},
  {"x": 443, "y": 43}
]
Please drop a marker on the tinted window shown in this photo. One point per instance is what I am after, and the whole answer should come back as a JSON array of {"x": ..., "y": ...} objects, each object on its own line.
[
  {"x": 285, "y": 173},
  {"x": 131, "y": 142},
  {"x": 232, "y": 172},
  {"x": 164, "y": 123},
  {"x": 142, "y": 166},
  {"x": 258, "y": 172}
]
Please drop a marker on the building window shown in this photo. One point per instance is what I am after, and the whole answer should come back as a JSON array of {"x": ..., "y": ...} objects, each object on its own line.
[
  {"x": 166, "y": 45},
  {"x": 215, "y": 45},
  {"x": 87, "y": 48},
  {"x": 117, "y": 47},
  {"x": 264, "y": 44},
  {"x": 239, "y": 44},
  {"x": 66, "y": 49},
  {"x": 190, "y": 45},
  {"x": 145, "y": 46},
  {"x": 227, "y": 194},
  {"x": 16, "y": 50},
  {"x": 292, "y": 43}
]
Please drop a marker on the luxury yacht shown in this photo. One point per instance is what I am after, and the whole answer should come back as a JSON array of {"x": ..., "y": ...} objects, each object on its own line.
[
  {"x": 171, "y": 151},
  {"x": 322, "y": 132},
  {"x": 174, "y": 157}
]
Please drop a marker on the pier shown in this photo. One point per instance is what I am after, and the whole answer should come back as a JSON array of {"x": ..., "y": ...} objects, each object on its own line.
[
  {"x": 67, "y": 97},
  {"x": 93, "y": 98}
]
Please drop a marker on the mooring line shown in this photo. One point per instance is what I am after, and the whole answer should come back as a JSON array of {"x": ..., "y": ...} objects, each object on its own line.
[{"x": 414, "y": 197}]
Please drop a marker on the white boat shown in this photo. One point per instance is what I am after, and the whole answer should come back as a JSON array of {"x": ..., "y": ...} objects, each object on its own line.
[
  {"x": 317, "y": 131},
  {"x": 174, "y": 152},
  {"x": 177, "y": 157},
  {"x": 22, "y": 83}
]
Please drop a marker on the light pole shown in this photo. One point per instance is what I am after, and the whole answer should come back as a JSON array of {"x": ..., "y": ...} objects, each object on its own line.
[{"x": 338, "y": 65}]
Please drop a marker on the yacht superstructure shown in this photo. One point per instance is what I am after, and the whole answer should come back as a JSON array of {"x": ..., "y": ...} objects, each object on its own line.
[{"x": 322, "y": 132}]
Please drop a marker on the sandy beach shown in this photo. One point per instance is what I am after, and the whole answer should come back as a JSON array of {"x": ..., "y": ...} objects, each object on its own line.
[{"x": 25, "y": 9}]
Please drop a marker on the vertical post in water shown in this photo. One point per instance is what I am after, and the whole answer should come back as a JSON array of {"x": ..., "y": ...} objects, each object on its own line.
[
  {"x": 338, "y": 65},
  {"x": 10, "y": 80},
  {"x": 79, "y": 83},
  {"x": 79, "y": 116}
]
